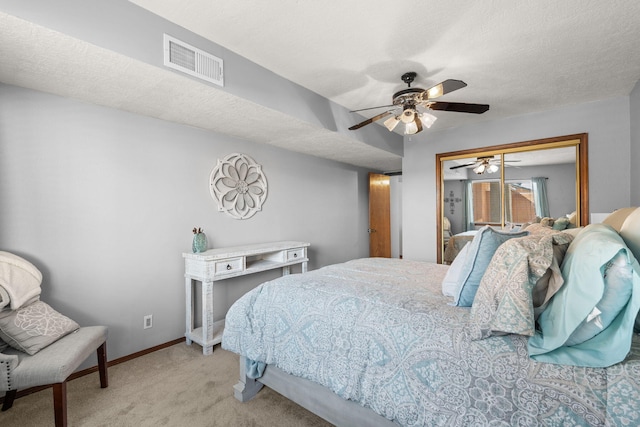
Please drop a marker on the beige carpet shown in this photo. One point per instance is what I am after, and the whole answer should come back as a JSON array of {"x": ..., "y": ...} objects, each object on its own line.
[{"x": 176, "y": 386}]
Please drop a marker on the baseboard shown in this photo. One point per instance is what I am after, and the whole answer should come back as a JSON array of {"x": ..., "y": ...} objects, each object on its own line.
[{"x": 93, "y": 369}]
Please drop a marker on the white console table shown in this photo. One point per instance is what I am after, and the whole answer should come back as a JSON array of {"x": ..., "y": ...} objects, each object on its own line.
[{"x": 224, "y": 263}]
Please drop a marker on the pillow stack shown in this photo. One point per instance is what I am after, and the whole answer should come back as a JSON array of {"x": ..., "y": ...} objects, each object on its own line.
[
  {"x": 522, "y": 277},
  {"x": 26, "y": 323},
  {"x": 590, "y": 320},
  {"x": 473, "y": 263},
  {"x": 577, "y": 295}
]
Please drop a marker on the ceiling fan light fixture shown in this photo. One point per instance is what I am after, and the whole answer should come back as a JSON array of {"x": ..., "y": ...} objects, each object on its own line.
[
  {"x": 435, "y": 91},
  {"x": 428, "y": 119},
  {"x": 392, "y": 122},
  {"x": 413, "y": 127},
  {"x": 492, "y": 168},
  {"x": 408, "y": 115},
  {"x": 411, "y": 98},
  {"x": 480, "y": 168}
]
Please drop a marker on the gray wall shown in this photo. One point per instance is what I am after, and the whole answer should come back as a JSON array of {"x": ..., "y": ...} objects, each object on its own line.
[
  {"x": 635, "y": 144},
  {"x": 607, "y": 123},
  {"x": 104, "y": 201},
  {"x": 395, "y": 196}
]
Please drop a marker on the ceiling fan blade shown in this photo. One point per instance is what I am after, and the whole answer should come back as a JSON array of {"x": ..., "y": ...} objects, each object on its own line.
[
  {"x": 442, "y": 88},
  {"x": 371, "y": 120},
  {"x": 372, "y": 108},
  {"x": 459, "y": 107},
  {"x": 466, "y": 165}
]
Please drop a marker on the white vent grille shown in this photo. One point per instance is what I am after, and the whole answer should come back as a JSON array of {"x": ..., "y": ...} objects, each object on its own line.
[{"x": 193, "y": 61}]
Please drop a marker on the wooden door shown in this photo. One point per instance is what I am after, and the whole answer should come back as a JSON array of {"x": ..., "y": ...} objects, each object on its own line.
[{"x": 379, "y": 216}]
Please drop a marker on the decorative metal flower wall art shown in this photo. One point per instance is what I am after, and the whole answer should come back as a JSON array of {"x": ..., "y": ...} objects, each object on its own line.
[{"x": 238, "y": 185}]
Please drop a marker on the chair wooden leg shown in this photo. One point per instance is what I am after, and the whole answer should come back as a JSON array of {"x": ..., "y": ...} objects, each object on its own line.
[
  {"x": 60, "y": 403},
  {"x": 9, "y": 397},
  {"x": 102, "y": 365}
]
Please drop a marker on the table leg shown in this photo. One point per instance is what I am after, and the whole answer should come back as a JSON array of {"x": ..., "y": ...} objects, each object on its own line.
[
  {"x": 207, "y": 317},
  {"x": 188, "y": 288}
]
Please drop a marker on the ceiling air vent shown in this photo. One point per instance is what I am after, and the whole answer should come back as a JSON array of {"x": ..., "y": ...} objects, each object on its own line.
[{"x": 193, "y": 61}]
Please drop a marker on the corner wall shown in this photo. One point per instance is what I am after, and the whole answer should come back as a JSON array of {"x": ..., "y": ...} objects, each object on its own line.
[{"x": 103, "y": 203}]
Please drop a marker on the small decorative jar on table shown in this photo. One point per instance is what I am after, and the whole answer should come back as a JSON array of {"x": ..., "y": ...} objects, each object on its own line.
[
  {"x": 199, "y": 241},
  {"x": 223, "y": 263}
]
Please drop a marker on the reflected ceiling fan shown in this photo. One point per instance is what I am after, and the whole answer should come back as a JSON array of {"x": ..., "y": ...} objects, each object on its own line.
[
  {"x": 405, "y": 103},
  {"x": 488, "y": 164}
]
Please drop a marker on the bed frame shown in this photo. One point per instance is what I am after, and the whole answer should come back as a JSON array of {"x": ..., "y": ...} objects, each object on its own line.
[{"x": 310, "y": 395}]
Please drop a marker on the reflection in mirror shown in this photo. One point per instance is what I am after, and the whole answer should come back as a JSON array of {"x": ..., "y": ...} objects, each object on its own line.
[
  {"x": 539, "y": 184},
  {"x": 508, "y": 186}
]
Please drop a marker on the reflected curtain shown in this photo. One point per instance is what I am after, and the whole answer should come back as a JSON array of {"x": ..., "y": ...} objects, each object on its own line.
[
  {"x": 467, "y": 197},
  {"x": 540, "y": 196}
]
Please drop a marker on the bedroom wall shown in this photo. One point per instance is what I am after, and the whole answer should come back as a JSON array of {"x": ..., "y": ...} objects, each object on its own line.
[
  {"x": 104, "y": 201},
  {"x": 395, "y": 196},
  {"x": 607, "y": 123},
  {"x": 634, "y": 99}
]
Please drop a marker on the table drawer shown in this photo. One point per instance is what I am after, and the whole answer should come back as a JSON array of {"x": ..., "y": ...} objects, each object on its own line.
[
  {"x": 294, "y": 254},
  {"x": 228, "y": 266}
]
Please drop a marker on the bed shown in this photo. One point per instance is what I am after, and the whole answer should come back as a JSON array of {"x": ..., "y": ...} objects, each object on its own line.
[{"x": 375, "y": 342}]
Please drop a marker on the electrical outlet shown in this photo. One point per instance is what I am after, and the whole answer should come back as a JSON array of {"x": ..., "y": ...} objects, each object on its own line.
[{"x": 148, "y": 321}]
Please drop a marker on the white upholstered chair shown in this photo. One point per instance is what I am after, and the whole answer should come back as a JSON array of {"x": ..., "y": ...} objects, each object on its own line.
[
  {"x": 446, "y": 230},
  {"x": 26, "y": 363}
]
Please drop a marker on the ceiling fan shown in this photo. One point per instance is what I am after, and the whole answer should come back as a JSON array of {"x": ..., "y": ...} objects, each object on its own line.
[
  {"x": 488, "y": 164},
  {"x": 405, "y": 103}
]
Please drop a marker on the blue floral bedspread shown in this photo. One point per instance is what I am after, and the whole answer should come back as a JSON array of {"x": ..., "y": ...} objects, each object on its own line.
[{"x": 379, "y": 332}]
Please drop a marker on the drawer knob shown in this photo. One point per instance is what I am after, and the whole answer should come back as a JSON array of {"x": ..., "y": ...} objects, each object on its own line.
[
  {"x": 295, "y": 255},
  {"x": 229, "y": 267}
]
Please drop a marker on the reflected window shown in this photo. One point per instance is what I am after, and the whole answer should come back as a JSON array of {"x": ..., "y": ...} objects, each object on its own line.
[
  {"x": 520, "y": 202},
  {"x": 486, "y": 202}
]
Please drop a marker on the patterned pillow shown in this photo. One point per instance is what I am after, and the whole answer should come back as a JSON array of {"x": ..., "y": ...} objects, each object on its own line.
[
  {"x": 522, "y": 277},
  {"x": 33, "y": 327},
  {"x": 481, "y": 250}
]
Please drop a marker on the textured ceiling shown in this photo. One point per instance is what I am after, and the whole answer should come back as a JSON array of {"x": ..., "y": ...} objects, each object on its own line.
[
  {"x": 518, "y": 56},
  {"x": 39, "y": 58}
]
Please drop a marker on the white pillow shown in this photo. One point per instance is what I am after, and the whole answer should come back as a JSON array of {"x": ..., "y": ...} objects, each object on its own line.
[
  {"x": 451, "y": 283},
  {"x": 573, "y": 231},
  {"x": 617, "y": 217},
  {"x": 630, "y": 232}
]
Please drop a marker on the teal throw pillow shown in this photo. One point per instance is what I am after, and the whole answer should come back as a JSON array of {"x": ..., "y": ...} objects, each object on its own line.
[
  {"x": 481, "y": 250},
  {"x": 561, "y": 223}
]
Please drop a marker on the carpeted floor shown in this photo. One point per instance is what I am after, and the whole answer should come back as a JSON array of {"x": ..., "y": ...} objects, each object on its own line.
[{"x": 176, "y": 386}]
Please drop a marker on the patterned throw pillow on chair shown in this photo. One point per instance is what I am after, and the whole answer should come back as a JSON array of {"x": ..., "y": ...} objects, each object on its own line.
[{"x": 33, "y": 327}]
